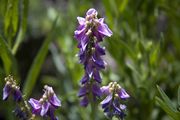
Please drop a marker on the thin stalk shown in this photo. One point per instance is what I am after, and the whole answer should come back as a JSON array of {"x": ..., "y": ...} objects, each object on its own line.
[{"x": 93, "y": 110}]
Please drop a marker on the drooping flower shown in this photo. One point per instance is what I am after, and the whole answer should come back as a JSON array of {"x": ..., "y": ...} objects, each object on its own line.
[
  {"x": 89, "y": 34},
  {"x": 11, "y": 88},
  {"x": 112, "y": 104},
  {"x": 47, "y": 104},
  {"x": 85, "y": 90}
]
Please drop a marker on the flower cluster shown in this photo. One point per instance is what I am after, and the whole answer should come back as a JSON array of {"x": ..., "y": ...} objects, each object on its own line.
[
  {"x": 89, "y": 34},
  {"x": 11, "y": 88},
  {"x": 113, "y": 103},
  {"x": 47, "y": 104}
]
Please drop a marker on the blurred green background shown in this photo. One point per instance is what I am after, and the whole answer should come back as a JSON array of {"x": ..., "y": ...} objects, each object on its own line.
[{"x": 37, "y": 47}]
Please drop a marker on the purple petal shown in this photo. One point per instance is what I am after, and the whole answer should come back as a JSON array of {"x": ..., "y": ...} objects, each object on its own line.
[
  {"x": 97, "y": 76},
  {"x": 105, "y": 90},
  {"x": 103, "y": 29},
  {"x": 123, "y": 107},
  {"x": 105, "y": 103},
  {"x": 91, "y": 11},
  {"x": 101, "y": 20},
  {"x": 17, "y": 95},
  {"x": 84, "y": 42},
  {"x": 96, "y": 90},
  {"x": 107, "y": 99},
  {"x": 89, "y": 68},
  {"x": 79, "y": 34},
  {"x": 55, "y": 101},
  {"x": 82, "y": 56},
  {"x": 84, "y": 102},
  {"x": 98, "y": 61},
  {"x": 83, "y": 91},
  {"x": 106, "y": 109},
  {"x": 81, "y": 20},
  {"x": 98, "y": 35},
  {"x": 34, "y": 103},
  {"x": 100, "y": 51},
  {"x": 51, "y": 113},
  {"x": 45, "y": 108},
  {"x": 6, "y": 92},
  {"x": 122, "y": 94},
  {"x": 85, "y": 79},
  {"x": 116, "y": 109}
]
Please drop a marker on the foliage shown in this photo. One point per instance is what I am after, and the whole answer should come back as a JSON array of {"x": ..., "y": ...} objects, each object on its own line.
[{"x": 167, "y": 105}]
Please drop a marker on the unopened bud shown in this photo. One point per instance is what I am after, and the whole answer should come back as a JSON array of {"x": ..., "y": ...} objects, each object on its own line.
[
  {"x": 13, "y": 86},
  {"x": 116, "y": 95},
  {"x": 88, "y": 32},
  {"x": 41, "y": 100}
]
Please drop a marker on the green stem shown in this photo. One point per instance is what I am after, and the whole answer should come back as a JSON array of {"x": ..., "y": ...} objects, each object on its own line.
[{"x": 93, "y": 110}]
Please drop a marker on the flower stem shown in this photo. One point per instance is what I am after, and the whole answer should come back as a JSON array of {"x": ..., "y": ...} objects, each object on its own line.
[{"x": 93, "y": 110}]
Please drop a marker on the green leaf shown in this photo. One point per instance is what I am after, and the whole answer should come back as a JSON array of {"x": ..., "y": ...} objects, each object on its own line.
[
  {"x": 11, "y": 20},
  {"x": 25, "y": 14},
  {"x": 154, "y": 55},
  {"x": 8, "y": 59},
  {"x": 167, "y": 109},
  {"x": 123, "y": 5},
  {"x": 37, "y": 63},
  {"x": 23, "y": 26},
  {"x": 166, "y": 99},
  {"x": 14, "y": 17},
  {"x": 167, "y": 105}
]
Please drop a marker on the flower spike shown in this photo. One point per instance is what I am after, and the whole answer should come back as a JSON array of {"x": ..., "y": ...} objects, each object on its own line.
[{"x": 89, "y": 34}]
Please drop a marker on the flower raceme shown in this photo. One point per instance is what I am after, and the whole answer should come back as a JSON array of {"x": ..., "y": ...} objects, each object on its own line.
[
  {"x": 11, "y": 88},
  {"x": 112, "y": 104},
  {"x": 46, "y": 105},
  {"x": 89, "y": 34}
]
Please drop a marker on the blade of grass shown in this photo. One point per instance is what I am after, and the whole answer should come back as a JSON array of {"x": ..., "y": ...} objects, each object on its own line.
[
  {"x": 11, "y": 20},
  {"x": 37, "y": 63},
  {"x": 167, "y": 109},
  {"x": 166, "y": 99},
  {"x": 23, "y": 23},
  {"x": 8, "y": 59}
]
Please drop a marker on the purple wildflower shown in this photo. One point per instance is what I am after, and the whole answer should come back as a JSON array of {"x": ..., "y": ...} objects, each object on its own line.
[
  {"x": 47, "y": 104},
  {"x": 11, "y": 88},
  {"x": 89, "y": 33},
  {"x": 112, "y": 104},
  {"x": 85, "y": 90}
]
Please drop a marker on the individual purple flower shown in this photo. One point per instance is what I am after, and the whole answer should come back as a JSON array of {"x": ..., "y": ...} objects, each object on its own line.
[
  {"x": 89, "y": 34},
  {"x": 47, "y": 104},
  {"x": 112, "y": 104},
  {"x": 11, "y": 88},
  {"x": 85, "y": 91}
]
